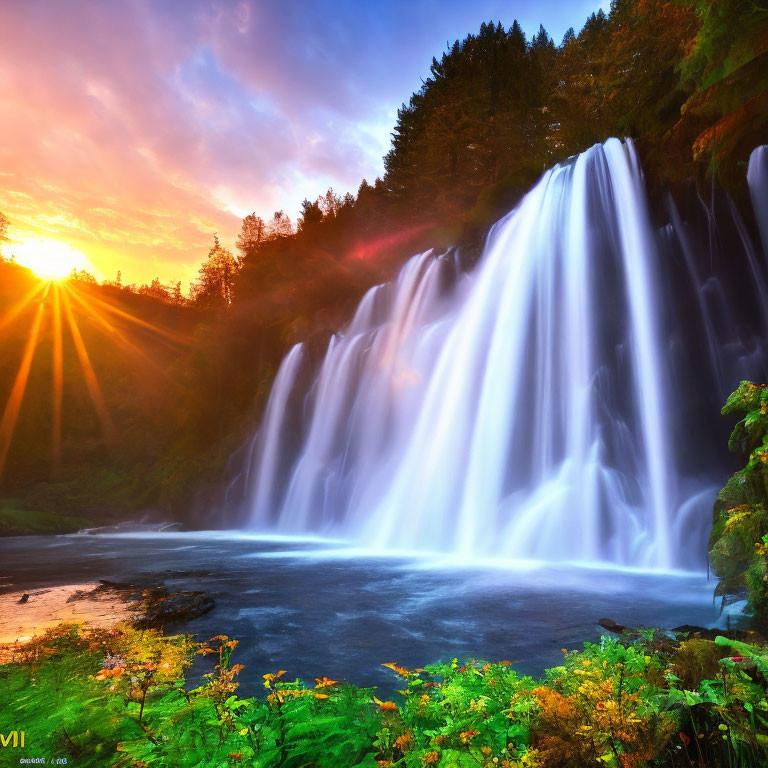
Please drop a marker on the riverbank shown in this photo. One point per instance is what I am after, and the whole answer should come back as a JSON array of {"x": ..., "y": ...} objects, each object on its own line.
[
  {"x": 96, "y": 605},
  {"x": 24, "y": 615}
]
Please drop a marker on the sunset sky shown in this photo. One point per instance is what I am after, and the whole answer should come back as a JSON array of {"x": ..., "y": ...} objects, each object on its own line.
[{"x": 132, "y": 130}]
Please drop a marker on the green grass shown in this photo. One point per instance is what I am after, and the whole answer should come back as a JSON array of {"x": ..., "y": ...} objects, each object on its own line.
[{"x": 15, "y": 521}]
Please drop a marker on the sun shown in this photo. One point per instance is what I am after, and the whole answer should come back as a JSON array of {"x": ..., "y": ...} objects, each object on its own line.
[{"x": 49, "y": 259}]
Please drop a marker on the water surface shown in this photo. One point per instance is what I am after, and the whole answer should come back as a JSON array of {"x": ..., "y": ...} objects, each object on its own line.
[{"x": 319, "y": 608}]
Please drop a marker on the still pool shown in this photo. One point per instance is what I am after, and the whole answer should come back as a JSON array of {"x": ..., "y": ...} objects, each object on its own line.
[{"x": 315, "y": 607}]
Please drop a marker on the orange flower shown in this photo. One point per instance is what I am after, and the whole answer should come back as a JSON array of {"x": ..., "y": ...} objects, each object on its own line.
[
  {"x": 430, "y": 758},
  {"x": 467, "y": 736},
  {"x": 404, "y": 742},
  {"x": 104, "y": 674},
  {"x": 384, "y": 763},
  {"x": 321, "y": 696},
  {"x": 402, "y": 671},
  {"x": 235, "y": 755},
  {"x": 324, "y": 682},
  {"x": 272, "y": 677},
  {"x": 555, "y": 706},
  {"x": 388, "y": 706}
]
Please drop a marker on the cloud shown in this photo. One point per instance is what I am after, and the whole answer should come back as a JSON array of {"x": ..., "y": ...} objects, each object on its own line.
[{"x": 134, "y": 129}]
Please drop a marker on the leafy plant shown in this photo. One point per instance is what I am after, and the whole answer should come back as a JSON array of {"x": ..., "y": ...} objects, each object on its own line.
[
  {"x": 89, "y": 696},
  {"x": 739, "y": 537}
]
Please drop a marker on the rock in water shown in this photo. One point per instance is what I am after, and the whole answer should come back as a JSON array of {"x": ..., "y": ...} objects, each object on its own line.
[
  {"x": 611, "y": 626},
  {"x": 178, "y": 606}
]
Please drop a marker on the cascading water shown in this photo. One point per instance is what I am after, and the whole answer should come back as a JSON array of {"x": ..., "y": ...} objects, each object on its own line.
[{"x": 529, "y": 409}]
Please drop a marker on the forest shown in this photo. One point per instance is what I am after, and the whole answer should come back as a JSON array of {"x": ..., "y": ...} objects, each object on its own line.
[
  {"x": 685, "y": 80},
  {"x": 138, "y": 403}
]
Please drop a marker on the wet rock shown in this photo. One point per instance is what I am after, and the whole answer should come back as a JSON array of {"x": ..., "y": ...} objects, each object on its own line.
[
  {"x": 611, "y": 625},
  {"x": 160, "y": 609},
  {"x": 155, "y": 604},
  {"x": 23, "y": 599},
  {"x": 123, "y": 590}
]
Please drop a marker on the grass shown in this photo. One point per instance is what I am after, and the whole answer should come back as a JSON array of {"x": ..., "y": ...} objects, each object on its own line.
[{"x": 23, "y": 522}]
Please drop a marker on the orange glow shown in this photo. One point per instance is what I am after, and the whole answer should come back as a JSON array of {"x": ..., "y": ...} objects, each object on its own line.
[
  {"x": 175, "y": 337},
  {"x": 113, "y": 331},
  {"x": 91, "y": 382},
  {"x": 14, "y": 311},
  {"x": 58, "y": 381},
  {"x": 59, "y": 299},
  {"x": 12, "y": 407}
]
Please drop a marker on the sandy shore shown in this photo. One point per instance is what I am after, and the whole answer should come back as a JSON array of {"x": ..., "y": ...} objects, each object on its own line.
[{"x": 45, "y": 608}]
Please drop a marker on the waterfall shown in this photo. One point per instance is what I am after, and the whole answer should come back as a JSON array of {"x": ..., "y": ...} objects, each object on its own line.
[
  {"x": 757, "y": 176},
  {"x": 532, "y": 408}
]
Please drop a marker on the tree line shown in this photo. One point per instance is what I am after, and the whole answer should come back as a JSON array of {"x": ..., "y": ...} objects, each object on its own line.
[{"x": 687, "y": 79}]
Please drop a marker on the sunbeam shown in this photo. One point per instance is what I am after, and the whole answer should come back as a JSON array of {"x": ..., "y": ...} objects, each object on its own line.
[
  {"x": 58, "y": 382},
  {"x": 169, "y": 335},
  {"x": 13, "y": 312},
  {"x": 112, "y": 330},
  {"x": 91, "y": 382},
  {"x": 13, "y": 406}
]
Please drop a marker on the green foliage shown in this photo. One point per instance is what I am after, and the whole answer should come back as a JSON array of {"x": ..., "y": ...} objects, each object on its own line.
[
  {"x": 15, "y": 521},
  {"x": 739, "y": 540},
  {"x": 119, "y": 698}
]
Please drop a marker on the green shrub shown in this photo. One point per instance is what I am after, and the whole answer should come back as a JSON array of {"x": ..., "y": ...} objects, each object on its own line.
[{"x": 740, "y": 524}]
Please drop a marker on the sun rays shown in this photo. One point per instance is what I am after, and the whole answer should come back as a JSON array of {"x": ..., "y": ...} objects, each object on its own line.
[
  {"x": 58, "y": 383},
  {"x": 91, "y": 382},
  {"x": 13, "y": 406},
  {"x": 57, "y": 310}
]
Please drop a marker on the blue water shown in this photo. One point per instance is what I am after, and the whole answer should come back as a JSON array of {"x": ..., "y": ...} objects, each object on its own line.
[{"x": 319, "y": 608}]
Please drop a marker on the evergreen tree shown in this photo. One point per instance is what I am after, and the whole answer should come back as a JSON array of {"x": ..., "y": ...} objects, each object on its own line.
[
  {"x": 252, "y": 234},
  {"x": 309, "y": 216}
]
